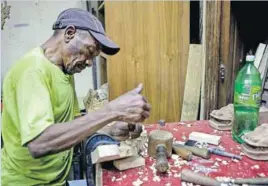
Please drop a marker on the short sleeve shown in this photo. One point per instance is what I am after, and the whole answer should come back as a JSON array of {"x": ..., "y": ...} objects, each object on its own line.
[
  {"x": 76, "y": 104},
  {"x": 34, "y": 105}
]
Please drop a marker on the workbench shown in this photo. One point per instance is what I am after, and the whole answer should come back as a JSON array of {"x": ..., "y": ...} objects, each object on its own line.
[{"x": 217, "y": 166}]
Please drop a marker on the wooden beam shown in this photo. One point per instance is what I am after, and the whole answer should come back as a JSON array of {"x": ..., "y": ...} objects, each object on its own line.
[{"x": 211, "y": 33}]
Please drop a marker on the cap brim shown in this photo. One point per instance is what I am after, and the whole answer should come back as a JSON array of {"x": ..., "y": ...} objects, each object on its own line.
[{"x": 108, "y": 46}]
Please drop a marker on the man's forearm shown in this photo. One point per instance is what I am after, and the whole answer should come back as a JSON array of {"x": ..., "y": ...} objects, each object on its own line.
[{"x": 62, "y": 136}]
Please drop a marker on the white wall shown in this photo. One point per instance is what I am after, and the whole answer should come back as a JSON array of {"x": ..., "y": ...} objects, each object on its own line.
[{"x": 30, "y": 25}]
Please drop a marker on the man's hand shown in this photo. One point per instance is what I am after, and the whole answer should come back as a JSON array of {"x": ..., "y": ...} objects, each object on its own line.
[
  {"x": 122, "y": 130},
  {"x": 131, "y": 107}
]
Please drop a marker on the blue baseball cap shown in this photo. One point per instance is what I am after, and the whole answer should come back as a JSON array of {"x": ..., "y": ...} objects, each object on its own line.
[{"x": 84, "y": 20}]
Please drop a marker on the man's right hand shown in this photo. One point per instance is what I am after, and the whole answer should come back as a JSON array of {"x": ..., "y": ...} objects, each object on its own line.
[{"x": 131, "y": 107}]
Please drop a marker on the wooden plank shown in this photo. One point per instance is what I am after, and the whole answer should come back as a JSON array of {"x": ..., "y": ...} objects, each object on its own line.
[
  {"x": 98, "y": 177},
  {"x": 226, "y": 50},
  {"x": 192, "y": 84},
  {"x": 211, "y": 57},
  {"x": 264, "y": 63},
  {"x": 259, "y": 54},
  {"x": 154, "y": 51}
]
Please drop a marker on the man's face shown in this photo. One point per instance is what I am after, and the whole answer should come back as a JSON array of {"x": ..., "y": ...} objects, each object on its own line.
[{"x": 79, "y": 50}]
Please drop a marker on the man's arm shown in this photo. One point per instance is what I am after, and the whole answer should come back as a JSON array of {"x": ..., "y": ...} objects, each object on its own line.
[
  {"x": 130, "y": 107},
  {"x": 62, "y": 136}
]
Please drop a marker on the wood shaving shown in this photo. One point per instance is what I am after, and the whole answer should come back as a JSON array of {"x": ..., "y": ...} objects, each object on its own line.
[
  {"x": 261, "y": 174},
  {"x": 177, "y": 175},
  {"x": 255, "y": 167},
  {"x": 242, "y": 154},
  {"x": 145, "y": 179},
  {"x": 216, "y": 164},
  {"x": 224, "y": 162},
  {"x": 189, "y": 125},
  {"x": 218, "y": 159},
  {"x": 140, "y": 173},
  {"x": 124, "y": 176},
  {"x": 168, "y": 184},
  {"x": 156, "y": 178},
  {"x": 118, "y": 179},
  {"x": 183, "y": 137},
  {"x": 235, "y": 160},
  {"x": 174, "y": 156},
  {"x": 175, "y": 129},
  {"x": 113, "y": 178},
  {"x": 138, "y": 182}
]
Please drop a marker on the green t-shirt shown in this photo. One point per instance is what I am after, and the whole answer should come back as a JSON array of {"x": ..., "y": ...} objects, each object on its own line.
[{"x": 36, "y": 94}]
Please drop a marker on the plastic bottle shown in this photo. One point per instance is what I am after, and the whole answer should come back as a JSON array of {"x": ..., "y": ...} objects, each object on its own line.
[{"x": 247, "y": 98}]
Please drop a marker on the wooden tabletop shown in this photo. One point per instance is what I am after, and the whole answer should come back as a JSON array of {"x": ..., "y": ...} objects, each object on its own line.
[{"x": 216, "y": 167}]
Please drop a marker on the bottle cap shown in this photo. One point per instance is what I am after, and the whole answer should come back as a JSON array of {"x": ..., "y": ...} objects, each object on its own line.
[{"x": 250, "y": 58}]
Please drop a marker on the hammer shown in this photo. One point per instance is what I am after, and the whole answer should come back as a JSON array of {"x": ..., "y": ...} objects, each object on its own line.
[{"x": 160, "y": 147}]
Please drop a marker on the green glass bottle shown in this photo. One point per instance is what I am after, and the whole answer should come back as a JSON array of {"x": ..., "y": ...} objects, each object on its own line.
[{"x": 247, "y": 98}]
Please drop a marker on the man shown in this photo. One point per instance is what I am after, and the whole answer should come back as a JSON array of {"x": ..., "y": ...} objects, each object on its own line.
[{"x": 38, "y": 125}]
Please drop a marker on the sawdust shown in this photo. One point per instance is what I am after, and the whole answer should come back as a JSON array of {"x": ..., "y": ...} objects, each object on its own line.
[
  {"x": 119, "y": 179},
  {"x": 124, "y": 177},
  {"x": 168, "y": 184},
  {"x": 177, "y": 175},
  {"x": 113, "y": 178},
  {"x": 218, "y": 159},
  {"x": 138, "y": 182}
]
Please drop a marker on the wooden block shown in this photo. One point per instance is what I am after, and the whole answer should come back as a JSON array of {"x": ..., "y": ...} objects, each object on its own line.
[
  {"x": 203, "y": 137},
  {"x": 127, "y": 148},
  {"x": 128, "y": 163},
  {"x": 259, "y": 54},
  {"x": 105, "y": 153},
  {"x": 192, "y": 84}
]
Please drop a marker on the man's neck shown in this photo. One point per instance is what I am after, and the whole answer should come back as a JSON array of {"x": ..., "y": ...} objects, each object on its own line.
[{"x": 52, "y": 51}]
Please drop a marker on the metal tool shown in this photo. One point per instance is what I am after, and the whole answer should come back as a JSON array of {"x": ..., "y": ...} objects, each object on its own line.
[
  {"x": 217, "y": 151},
  {"x": 160, "y": 147}
]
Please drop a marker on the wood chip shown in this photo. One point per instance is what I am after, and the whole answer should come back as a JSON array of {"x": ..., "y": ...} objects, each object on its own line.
[
  {"x": 138, "y": 182},
  {"x": 156, "y": 178}
]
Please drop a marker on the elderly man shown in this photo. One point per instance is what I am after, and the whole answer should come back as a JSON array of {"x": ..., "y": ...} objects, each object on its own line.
[{"x": 40, "y": 105}]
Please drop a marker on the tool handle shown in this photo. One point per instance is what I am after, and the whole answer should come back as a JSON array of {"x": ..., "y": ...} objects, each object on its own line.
[
  {"x": 257, "y": 181},
  {"x": 183, "y": 152},
  {"x": 161, "y": 164},
  {"x": 201, "y": 152},
  {"x": 190, "y": 176}
]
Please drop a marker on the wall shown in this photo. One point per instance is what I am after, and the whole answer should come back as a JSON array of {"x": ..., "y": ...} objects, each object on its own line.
[{"x": 30, "y": 25}]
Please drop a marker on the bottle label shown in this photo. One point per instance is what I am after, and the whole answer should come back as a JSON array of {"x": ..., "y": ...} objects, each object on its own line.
[{"x": 248, "y": 95}]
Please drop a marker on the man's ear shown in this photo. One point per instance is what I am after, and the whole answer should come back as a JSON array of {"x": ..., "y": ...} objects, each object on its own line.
[{"x": 69, "y": 33}]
